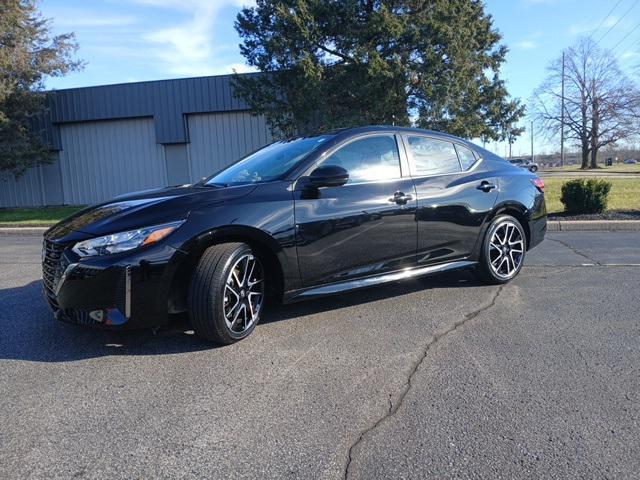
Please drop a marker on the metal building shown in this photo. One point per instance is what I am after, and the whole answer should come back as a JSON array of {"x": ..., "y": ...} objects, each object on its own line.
[{"x": 115, "y": 139}]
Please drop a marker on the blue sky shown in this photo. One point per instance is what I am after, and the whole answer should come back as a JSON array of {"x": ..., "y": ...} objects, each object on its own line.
[{"x": 134, "y": 40}]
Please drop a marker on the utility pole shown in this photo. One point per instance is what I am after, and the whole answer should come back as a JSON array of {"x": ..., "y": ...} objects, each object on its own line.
[
  {"x": 532, "y": 159},
  {"x": 562, "y": 118}
]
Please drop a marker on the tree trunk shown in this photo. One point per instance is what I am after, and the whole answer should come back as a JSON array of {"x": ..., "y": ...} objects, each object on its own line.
[
  {"x": 594, "y": 158},
  {"x": 584, "y": 134},
  {"x": 585, "y": 159},
  {"x": 585, "y": 156},
  {"x": 595, "y": 127}
]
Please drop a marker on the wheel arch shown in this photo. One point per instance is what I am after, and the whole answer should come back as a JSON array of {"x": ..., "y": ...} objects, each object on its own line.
[
  {"x": 265, "y": 246},
  {"x": 517, "y": 211}
]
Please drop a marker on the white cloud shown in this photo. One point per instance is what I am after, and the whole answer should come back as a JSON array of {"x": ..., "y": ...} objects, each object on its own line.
[
  {"x": 188, "y": 48},
  {"x": 628, "y": 55},
  {"x": 527, "y": 45},
  {"x": 190, "y": 4},
  {"x": 74, "y": 20}
]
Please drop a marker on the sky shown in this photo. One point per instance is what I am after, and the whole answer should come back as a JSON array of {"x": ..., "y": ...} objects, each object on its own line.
[{"x": 136, "y": 40}]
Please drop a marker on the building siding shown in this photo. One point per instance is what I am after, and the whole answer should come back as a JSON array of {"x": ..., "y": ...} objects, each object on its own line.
[
  {"x": 115, "y": 139},
  {"x": 103, "y": 159},
  {"x": 165, "y": 100},
  {"x": 23, "y": 191},
  {"x": 220, "y": 139}
]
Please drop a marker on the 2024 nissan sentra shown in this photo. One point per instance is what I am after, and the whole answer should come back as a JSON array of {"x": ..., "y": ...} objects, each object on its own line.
[{"x": 297, "y": 219}]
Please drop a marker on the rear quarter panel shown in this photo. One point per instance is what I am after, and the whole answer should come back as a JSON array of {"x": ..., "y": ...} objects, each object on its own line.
[{"x": 518, "y": 194}]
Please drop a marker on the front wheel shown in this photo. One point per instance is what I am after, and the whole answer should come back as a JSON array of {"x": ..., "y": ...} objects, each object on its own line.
[
  {"x": 533, "y": 169},
  {"x": 503, "y": 251},
  {"x": 226, "y": 293}
]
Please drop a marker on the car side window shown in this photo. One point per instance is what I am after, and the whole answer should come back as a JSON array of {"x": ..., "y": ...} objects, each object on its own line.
[
  {"x": 466, "y": 156},
  {"x": 432, "y": 157},
  {"x": 368, "y": 159}
]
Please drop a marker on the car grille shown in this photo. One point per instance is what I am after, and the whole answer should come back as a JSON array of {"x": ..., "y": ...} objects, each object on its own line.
[{"x": 53, "y": 264}]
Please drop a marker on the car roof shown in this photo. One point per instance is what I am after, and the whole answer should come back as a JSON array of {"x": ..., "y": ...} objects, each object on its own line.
[
  {"x": 378, "y": 128},
  {"x": 394, "y": 128}
]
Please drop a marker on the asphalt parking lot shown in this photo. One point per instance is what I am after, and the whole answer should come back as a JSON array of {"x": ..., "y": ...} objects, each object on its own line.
[{"x": 434, "y": 378}]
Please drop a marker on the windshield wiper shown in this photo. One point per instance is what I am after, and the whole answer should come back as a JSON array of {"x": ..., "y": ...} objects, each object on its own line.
[{"x": 215, "y": 185}]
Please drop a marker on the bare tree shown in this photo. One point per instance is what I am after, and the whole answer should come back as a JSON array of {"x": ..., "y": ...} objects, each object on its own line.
[{"x": 600, "y": 103}]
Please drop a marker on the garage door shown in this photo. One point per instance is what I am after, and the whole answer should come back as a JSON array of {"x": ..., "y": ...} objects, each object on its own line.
[
  {"x": 219, "y": 139},
  {"x": 102, "y": 159}
]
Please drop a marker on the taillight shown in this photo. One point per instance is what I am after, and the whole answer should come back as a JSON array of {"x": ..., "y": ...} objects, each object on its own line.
[{"x": 538, "y": 183}]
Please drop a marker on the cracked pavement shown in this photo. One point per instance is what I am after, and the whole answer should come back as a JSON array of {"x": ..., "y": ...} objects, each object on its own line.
[{"x": 433, "y": 378}]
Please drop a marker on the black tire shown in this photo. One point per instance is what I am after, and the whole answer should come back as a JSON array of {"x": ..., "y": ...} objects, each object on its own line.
[
  {"x": 484, "y": 271},
  {"x": 206, "y": 296},
  {"x": 533, "y": 169}
]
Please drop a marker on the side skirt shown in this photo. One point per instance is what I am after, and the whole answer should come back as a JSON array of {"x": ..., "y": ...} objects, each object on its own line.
[{"x": 338, "y": 287}]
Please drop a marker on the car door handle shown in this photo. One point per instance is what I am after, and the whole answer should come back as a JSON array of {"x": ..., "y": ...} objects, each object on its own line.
[
  {"x": 486, "y": 186},
  {"x": 400, "y": 198}
]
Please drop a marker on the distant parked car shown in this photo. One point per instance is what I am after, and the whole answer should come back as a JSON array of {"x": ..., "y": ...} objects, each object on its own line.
[
  {"x": 630, "y": 161},
  {"x": 524, "y": 163}
]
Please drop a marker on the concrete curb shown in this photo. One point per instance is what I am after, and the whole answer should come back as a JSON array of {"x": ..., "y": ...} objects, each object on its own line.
[
  {"x": 24, "y": 231},
  {"x": 22, "y": 225},
  {"x": 593, "y": 225}
]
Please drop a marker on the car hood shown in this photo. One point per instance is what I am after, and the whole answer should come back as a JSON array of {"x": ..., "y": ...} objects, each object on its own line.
[{"x": 141, "y": 209}]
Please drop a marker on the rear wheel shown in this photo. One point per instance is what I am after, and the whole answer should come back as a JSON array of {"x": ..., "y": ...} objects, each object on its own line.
[
  {"x": 503, "y": 251},
  {"x": 226, "y": 293},
  {"x": 533, "y": 168}
]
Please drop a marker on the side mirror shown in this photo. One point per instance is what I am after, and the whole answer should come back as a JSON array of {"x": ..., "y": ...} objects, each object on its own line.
[{"x": 328, "y": 176}]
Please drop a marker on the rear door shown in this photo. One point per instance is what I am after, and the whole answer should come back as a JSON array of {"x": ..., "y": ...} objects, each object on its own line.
[
  {"x": 365, "y": 227},
  {"x": 455, "y": 195}
]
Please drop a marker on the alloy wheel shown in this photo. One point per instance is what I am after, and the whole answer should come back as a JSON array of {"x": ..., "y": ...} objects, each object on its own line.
[
  {"x": 506, "y": 249},
  {"x": 243, "y": 293}
]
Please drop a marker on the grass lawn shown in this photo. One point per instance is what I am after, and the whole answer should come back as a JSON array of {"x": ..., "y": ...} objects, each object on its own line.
[
  {"x": 616, "y": 168},
  {"x": 34, "y": 216},
  {"x": 624, "y": 195}
]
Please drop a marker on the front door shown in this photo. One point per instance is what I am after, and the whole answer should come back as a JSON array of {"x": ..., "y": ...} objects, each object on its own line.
[{"x": 363, "y": 228}]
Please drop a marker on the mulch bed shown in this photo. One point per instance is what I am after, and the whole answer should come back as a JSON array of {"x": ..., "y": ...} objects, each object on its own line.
[{"x": 597, "y": 216}]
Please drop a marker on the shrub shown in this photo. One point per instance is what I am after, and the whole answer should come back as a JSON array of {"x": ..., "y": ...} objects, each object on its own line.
[{"x": 585, "y": 196}]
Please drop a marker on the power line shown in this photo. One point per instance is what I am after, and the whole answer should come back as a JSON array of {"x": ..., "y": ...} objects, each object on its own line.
[
  {"x": 605, "y": 18},
  {"x": 633, "y": 30},
  {"x": 619, "y": 20}
]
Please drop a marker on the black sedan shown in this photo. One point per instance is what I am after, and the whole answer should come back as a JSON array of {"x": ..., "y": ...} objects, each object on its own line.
[{"x": 297, "y": 219}]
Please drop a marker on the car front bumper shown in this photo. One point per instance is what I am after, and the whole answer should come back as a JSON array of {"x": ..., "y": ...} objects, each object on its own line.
[{"x": 118, "y": 291}]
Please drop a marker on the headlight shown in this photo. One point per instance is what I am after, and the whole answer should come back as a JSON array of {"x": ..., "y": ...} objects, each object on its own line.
[{"x": 121, "y": 242}]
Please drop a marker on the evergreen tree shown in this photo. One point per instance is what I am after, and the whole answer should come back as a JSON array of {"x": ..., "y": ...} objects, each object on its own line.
[
  {"x": 28, "y": 53},
  {"x": 339, "y": 63}
]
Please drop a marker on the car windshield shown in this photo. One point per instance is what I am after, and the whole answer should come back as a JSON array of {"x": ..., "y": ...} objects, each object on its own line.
[{"x": 269, "y": 163}]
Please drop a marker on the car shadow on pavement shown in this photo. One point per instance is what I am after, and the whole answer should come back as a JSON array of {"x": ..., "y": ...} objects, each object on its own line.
[
  {"x": 459, "y": 279},
  {"x": 29, "y": 332}
]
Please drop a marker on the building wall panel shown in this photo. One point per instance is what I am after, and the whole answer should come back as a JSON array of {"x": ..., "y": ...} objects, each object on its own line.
[
  {"x": 166, "y": 100},
  {"x": 26, "y": 191},
  {"x": 99, "y": 160},
  {"x": 219, "y": 139}
]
